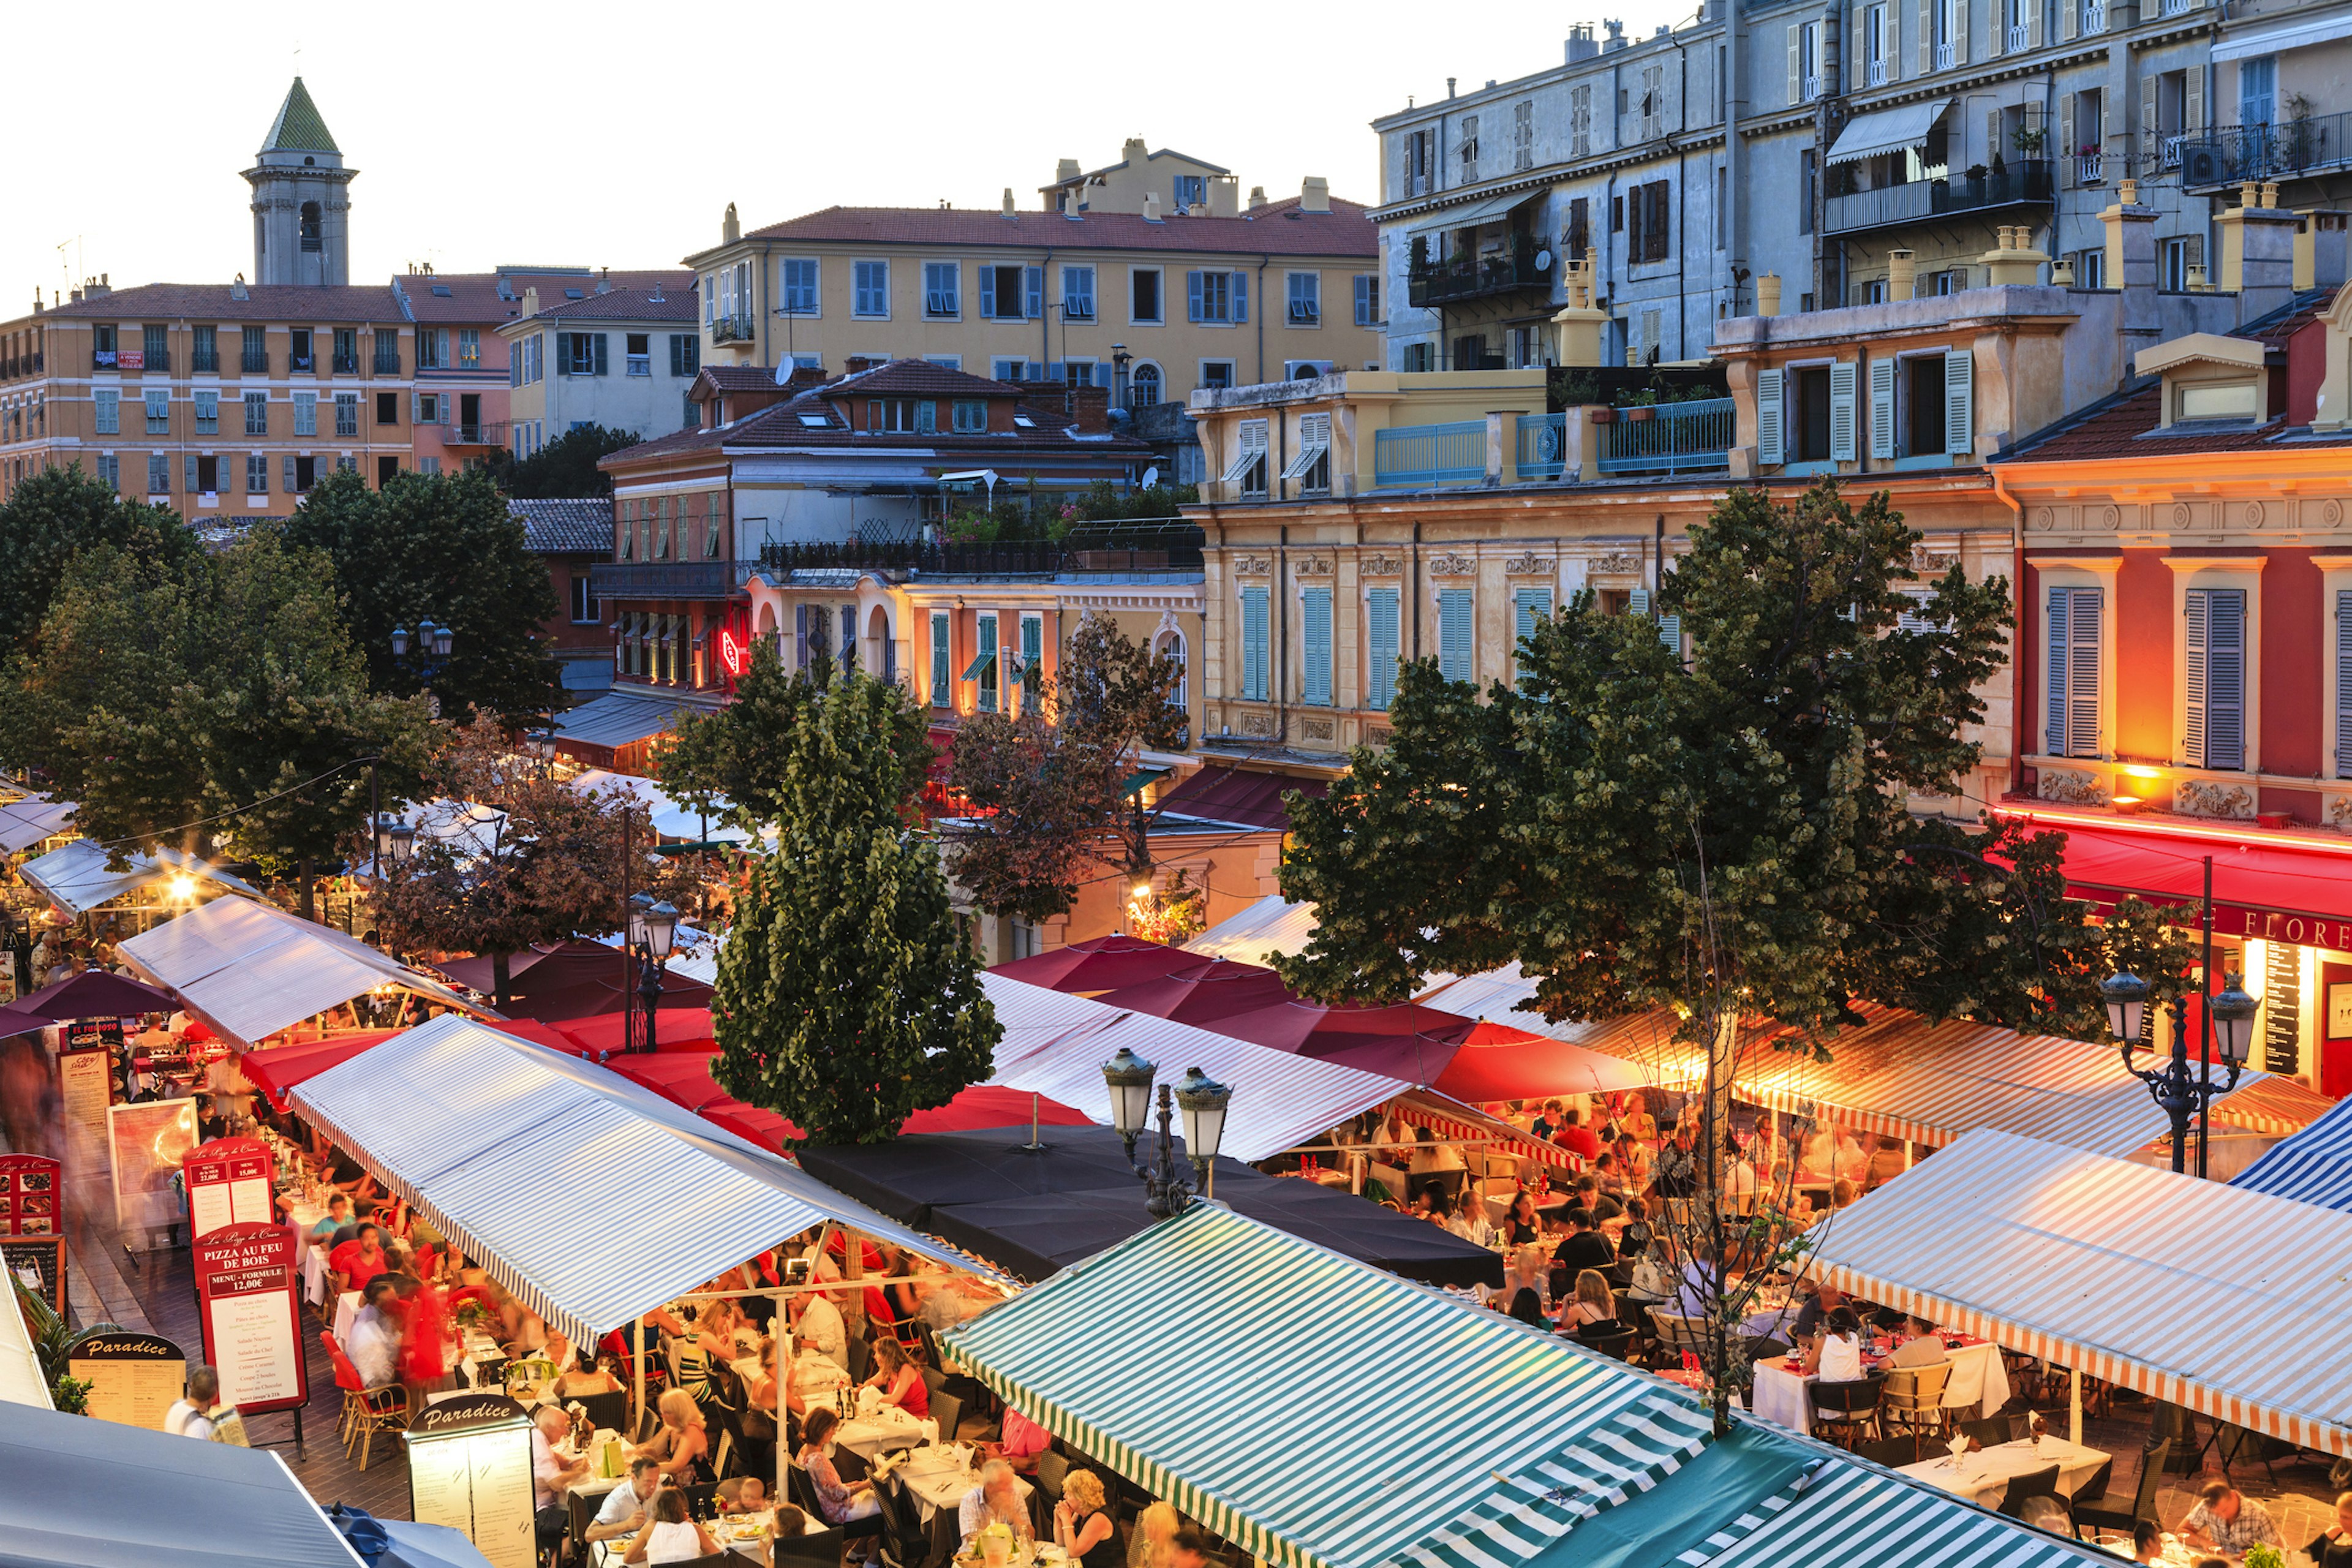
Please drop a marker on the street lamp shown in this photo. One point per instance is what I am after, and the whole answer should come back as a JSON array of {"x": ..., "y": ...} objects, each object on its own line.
[
  {"x": 2227, "y": 1023},
  {"x": 1203, "y": 1101},
  {"x": 432, "y": 643},
  {"x": 395, "y": 841},
  {"x": 653, "y": 929},
  {"x": 1120, "y": 359}
]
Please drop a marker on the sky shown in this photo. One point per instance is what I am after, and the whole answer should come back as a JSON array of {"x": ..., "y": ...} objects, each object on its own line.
[{"x": 598, "y": 135}]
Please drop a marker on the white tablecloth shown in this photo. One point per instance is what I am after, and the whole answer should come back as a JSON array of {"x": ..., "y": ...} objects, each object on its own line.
[
  {"x": 1985, "y": 1474},
  {"x": 347, "y": 1306},
  {"x": 1979, "y": 1386},
  {"x": 936, "y": 1487},
  {"x": 886, "y": 1429}
]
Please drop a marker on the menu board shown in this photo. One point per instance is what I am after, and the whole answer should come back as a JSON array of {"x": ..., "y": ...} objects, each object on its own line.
[
  {"x": 88, "y": 1034},
  {"x": 228, "y": 1184},
  {"x": 253, "y": 1330},
  {"x": 86, "y": 1079},
  {"x": 38, "y": 1263},
  {"x": 145, "y": 1143},
  {"x": 469, "y": 1469},
  {"x": 134, "y": 1378},
  {"x": 30, "y": 1189}
]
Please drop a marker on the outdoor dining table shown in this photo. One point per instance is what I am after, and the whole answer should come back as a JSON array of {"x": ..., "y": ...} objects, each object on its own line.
[
  {"x": 347, "y": 1306},
  {"x": 938, "y": 1478},
  {"x": 1978, "y": 1384},
  {"x": 1985, "y": 1474},
  {"x": 738, "y": 1534}
]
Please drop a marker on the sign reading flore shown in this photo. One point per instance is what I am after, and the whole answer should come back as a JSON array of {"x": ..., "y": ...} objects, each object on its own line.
[
  {"x": 252, "y": 1321},
  {"x": 134, "y": 1378}
]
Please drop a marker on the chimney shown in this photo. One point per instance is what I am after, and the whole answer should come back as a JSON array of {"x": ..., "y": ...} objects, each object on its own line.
[
  {"x": 732, "y": 229},
  {"x": 1578, "y": 324},
  {"x": 857, "y": 364},
  {"x": 2258, "y": 251},
  {"x": 2061, "y": 273},
  {"x": 1767, "y": 294},
  {"x": 1151, "y": 206},
  {"x": 2014, "y": 261},
  {"x": 1257, "y": 197},
  {"x": 603, "y": 280},
  {"x": 2323, "y": 251},
  {"x": 1449, "y": 87},
  {"x": 531, "y": 301},
  {"x": 805, "y": 376},
  {"x": 1315, "y": 194},
  {"x": 1901, "y": 280},
  {"x": 1581, "y": 44},
  {"x": 1133, "y": 150},
  {"x": 1008, "y": 201},
  {"x": 237, "y": 291},
  {"x": 2131, "y": 266},
  {"x": 1066, "y": 171},
  {"x": 1090, "y": 410}
]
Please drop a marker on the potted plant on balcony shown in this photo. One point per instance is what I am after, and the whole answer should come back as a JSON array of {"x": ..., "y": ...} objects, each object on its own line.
[
  {"x": 2029, "y": 139},
  {"x": 1602, "y": 414},
  {"x": 1639, "y": 408}
]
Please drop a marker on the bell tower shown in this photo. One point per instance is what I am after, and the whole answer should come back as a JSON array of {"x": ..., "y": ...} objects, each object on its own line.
[{"x": 302, "y": 200}]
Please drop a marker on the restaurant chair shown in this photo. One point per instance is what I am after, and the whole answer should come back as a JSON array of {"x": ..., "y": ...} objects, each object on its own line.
[
  {"x": 806, "y": 1552},
  {"x": 2095, "y": 1488},
  {"x": 579, "y": 1512},
  {"x": 1612, "y": 1340},
  {"x": 948, "y": 1411},
  {"x": 1991, "y": 1432},
  {"x": 722, "y": 1458},
  {"x": 1892, "y": 1452},
  {"x": 2042, "y": 1482},
  {"x": 366, "y": 1411},
  {"x": 905, "y": 1541},
  {"x": 1915, "y": 1401},
  {"x": 2090, "y": 1515},
  {"x": 1842, "y": 1412},
  {"x": 1053, "y": 1469},
  {"x": 610, "y": 1412},
  {"x": 861, "y": 1361},
  {"x": 701, "y": 1500}
]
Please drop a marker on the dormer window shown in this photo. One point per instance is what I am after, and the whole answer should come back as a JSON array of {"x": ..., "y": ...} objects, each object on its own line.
[
  {"x": 2216, "y": 400},
  {"x": 910, "y": 415},
  {"x": 2208, "y": 377}
]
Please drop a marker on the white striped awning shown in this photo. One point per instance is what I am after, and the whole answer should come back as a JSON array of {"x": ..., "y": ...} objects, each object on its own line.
[
  {"x": 1856, "y": 1516},
  {"x": 1055, "y": 1045},
  {"x": 76, "y": 877},
  {"x": 2315, "y": 1166},
  {"x": 2203, "y": 1295},
  {"x": 592, "y": 1199},
  {"x": 26, "y": 822},
  {"x": 1273, "y": 924},
  {"x": 1324, "y": 1413},
  {"x": 1460, "y": 1123}
]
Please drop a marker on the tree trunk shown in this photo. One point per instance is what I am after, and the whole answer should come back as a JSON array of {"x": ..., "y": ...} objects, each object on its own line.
[
  {"x": 499, "y": 979},
  {"x": 306, "y": 901}
]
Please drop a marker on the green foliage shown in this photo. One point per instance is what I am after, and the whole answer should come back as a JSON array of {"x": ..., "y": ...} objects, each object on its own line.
[
  {"x": 848, "y": 995},
  {"x": 742, "y": 753},
  {"x": 56, "y": 514},
  {"x": 1639, "y": 831},
  {"x": 442, "y": 548},
  {"x": 53, "y": 1344},
  {"x": 1035, "y": 518},
  {"x": 1047, "y": 779},
  {"x": 565, "y": 469}
]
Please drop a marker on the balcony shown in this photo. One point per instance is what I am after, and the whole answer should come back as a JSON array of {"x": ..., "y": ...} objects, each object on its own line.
[
  {"x": 302, "y": 362},
  {"x": 665, "y": 580},
  {"x": 1455, "y": 278},
  {"x": 732, "y": 329},
  {"x": 205, "y": 361},
  {"x": 1676, "y": 438},
  {"x": 104, "y": 359},
  {"x": 2167, "y": 151},
  {"x": 1542, "y": 451},
  {"x": 2094, "y": 17},
  {"x": 1917, "y": 200},
  {"x": 1876, "y": 74},
  {"x": 2090, "y": 169},
  {"x": 1423, "y": 455},
  {"x": 148, "y": 359},
  {"x": 255, "y": 362},
  {"x": 2229, "y": 154},
  {"x": 479, "y": 434},
  {"x": 1148, "y": 546},
  {"x": 2020, "y": 38},
  {"x": 347, "y": 364},
  {"x": 1943, "y": 57},
  {"x": 388, "y": 364}
]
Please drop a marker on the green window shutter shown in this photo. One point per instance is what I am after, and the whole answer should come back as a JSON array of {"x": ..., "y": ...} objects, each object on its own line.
[
  {"x": 677, "y": 354},
  {"x": 288, "y": 473},
  {"x": 1316, "y": 627},
  {"x": 596, "y": 351},
  {"x": 1841, "y": 411},
  {"x": 1254, "y": 641},
  {"x": 942, "y": 692},
  {"x": 1881, "y": 408},
  {"x": 1456, "y": 629},
  {"x": 1959, "y": 403},
  {"x": 1381, "y": 606},
  {"x": 191, "y": 474},
  {"x": 1529, "y": 608},
  {"x": 1768, "y": 389}
]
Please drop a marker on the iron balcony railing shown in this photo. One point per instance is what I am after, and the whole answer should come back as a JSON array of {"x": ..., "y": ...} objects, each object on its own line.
[
  {"x": 156, "y": 359},
  {"x": 478, "y": 434},
  {"x": 205, "y": 361},
  {"x": 2090, "y": 168},
  {"x": 387, "y": 364},
  {"x": 2231, "y": 154},
  {"x": 1431, "y": 454},
  {"x": 1442, "y": 281},
  {"x": 253, "y": 362},
  {"x": 665, "y": 580},
  {"x": 1677, "y": 438},
  {"x": 1542, "y": 446},
  {"x": 1148, "y": 545},
  {"x": 1917, "y": 200},
  {"x": 302, "y": 362},
  {"x": 347, "y": 364},
  {"x": 732, "y": 329}
]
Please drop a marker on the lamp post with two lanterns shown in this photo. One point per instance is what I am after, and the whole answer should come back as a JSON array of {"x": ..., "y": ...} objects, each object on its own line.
[
  {"x": 432, "y": 644},
  {"x": 1202, "y": 1100},
  {"x": 653, "y": 931}
]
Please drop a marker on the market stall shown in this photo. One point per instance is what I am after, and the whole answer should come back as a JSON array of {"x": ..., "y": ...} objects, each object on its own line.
[
  {"x": 2315, "y": 1166},
  {"x": 1102, "y": 963},
  {"x": 32, "y": 819},
  {"x": 1858, "y": 1517},
  {"x": 567, "y": 980},
  {"x": 76, "y": 877}
]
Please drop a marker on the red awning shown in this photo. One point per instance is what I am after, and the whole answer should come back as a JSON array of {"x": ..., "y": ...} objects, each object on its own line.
[
  {"x": 1233, "y": 795},
  {"x": 683, "y": 1079},
  {"x": 1100, "y": 965},
  {"x": 683, "y": 1029},
  {"x": 2274, "y": 889},
  {"x": 571, "y": 980},
  {"x": 1407, "y": 1042},
  {"x": 280, "y": 1068},
  {"x": 1497, "y": 1062}
]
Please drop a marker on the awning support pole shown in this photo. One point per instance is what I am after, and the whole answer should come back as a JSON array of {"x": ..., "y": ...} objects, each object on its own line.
[
  {"x": 780, "y": 1340},
  {"x": 2075, "y": 1405},
  {"x": 638, "y": 1362}
]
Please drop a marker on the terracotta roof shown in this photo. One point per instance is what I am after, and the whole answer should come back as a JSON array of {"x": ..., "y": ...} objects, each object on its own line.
[
  {"x": 300, "y": 127},
  {"x": 2118, "y": 425},
  {"x": 473, "y": 297},
  {"x": 295, "y": 302},
  {"x": 667, "y": 303},
  {"x": 920, "y": 378},
  {"x": 738, "y": 378},
  {"x": 565, "y": 527},
  {"x": 2288, "y": 318},
  {"x": 1278, "y": 229}
]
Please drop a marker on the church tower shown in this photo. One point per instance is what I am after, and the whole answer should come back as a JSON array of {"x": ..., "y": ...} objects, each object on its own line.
[{"x": 301, "y": 207}]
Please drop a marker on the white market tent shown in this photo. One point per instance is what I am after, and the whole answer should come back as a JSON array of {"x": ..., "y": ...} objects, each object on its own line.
[
  {"x": 589, "y": 1198},
  {"x": 24, "y": 823},
  {"x": 672, "y": 818},
  {"x": 250, "y": 969},
  {"x": 1055, "y": 1045},
  {"x": 75, "y": 879},
  {"x": 21, "y": 1382},
  {"x": 1270, "y": 925},
  {"x": 2110, "y": 1267},
  {"x": 2315, "y": 1166}
]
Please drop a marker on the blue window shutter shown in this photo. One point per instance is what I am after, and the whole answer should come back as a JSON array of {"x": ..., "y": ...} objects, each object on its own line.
[
  {"x": 1455, "y": 629},
  {"x": 2193, "y": 695},
  {"x": 1033, "y": 281},
  {"x": 2053, "y": 723},
  {"x": 1769, "y": 442},
  {"x": 1316, "y": 627},
  {"x": 191, "y": 467},
  {"x": 1841, "y": 411},
  {"x": 1382, "y": 603},
  {"x": 1670, "y": 632},
  {"x": 1881, "y": 407},
  {"x": 290, "y": 473},
  {"x": 1959, "y": 403},
  {"x": 1241, "y": 297},
  {"x": 988, "y": 290},
  {"x": 1529, "y": 608},
  {"x": 1637, "y": 602},
  {"x": 942, "y": 692},
  {"x": 596, "y": 349},
  {"x": 2083, "y": 672},
  {"x": 1254, "y": 641},
  {"x": 1192, "y": 296}
]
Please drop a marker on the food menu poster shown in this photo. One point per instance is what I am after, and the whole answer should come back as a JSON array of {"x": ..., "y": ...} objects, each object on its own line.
[
  {"x": 30, "y": 1189},
  {"x": 134, "y": 1378},
  {"x": 469, "y": 1469},
  {"x": 228, "y": 1183},
  {"x": 146, "y": 1142},
  {"x": 86, "y": 1081},
  {"x": 245, "y": 1281}
]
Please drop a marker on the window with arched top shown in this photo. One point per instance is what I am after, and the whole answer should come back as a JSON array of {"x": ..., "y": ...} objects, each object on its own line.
[
  {"x": 1171, "y": 645},
  {"x": 311, "y": 239},
  {"x": 1143, "y": 386}
]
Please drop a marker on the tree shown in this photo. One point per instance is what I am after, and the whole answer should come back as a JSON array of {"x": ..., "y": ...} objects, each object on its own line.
[
  {"x": 54, "y": 515},
  {"x": 565, "y": 469},
  {"x": 1047, "y": 783},
  {"x": 440, "y": 548},
  {"x": 544, "y": 862},
  {"x": 742, "y": 753},
  {"x": 848, "y": 993}
]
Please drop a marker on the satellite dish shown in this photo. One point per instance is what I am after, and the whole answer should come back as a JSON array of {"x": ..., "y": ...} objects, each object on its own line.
[
  {"x": 1151, "y": 475},
  {"x": 1543, "y": 260}
]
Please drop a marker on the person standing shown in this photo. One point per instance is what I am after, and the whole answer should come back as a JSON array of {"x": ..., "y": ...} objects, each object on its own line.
[{"x": 191, "y": 1416}]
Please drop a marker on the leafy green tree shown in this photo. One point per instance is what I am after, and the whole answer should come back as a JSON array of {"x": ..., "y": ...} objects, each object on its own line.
[
  {"x": 1728, "y": 834},
  {"x": 742, "y": 753},
  {"x": 1048, "y": 781},
  {"x": 440, "y": 548},
  {"x": 565, "y": 469},
  {"x": 848, "y": 993},
  {"x": 58, "y": 512}
]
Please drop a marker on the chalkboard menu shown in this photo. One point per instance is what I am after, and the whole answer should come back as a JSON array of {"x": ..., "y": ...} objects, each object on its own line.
[
  {"x": 2282, "y": 1007},
  {"x": 134, "y": 1378},
  {"x": 469, "y": 1469},
  {"x": 38, "y": 1263}
]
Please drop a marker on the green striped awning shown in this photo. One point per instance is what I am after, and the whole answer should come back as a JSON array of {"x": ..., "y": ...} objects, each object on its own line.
[
  {"x": 1320, "y": 1412},
  {"x": 1856, "y": 1516}
]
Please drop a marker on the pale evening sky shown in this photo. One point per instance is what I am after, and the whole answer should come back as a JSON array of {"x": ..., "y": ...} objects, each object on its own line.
[{"x": 603, "y": 135}]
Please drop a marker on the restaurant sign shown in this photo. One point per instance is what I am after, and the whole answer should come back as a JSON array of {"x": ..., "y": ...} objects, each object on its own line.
[
  {"x": 469, "y": 1469},
  {"x": 134, "y": 1378},
  {"x": 252, "y": 1317},
  {"x": 228, "y": 1184}
]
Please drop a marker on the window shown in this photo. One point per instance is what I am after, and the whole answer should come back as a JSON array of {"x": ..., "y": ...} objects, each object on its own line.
[
  {"x": 1952, "y": 33},
  {"x": 1649, "y": 221},
  {"x": 431, "y": 348},
  {"x": 312, "y": 237},
  {"x": 1653, "y": 105},
  {"x": 207, "y": 413},
  {"x": 387, "y": 351},
  {"x": 942, "y": 693},
  {"x": 1143, "y": 306},
  {"x": 2257, "y": 90},
  {"x": 1368, "y": 300},
  {"x": 256, "y": 414},
  {"x": 1381, "y": 636},
  {"x": 1467, "y": 149},
  {"x": 1579, "y": 120},
  {"x": 1417, "y": 162},
  {"x": 1143, "y": 386},
  {"x": 256, "y": 473},
  {"x": 1219, "y": 298},
  {"x": 1804, "y": 62},
  {"x": 901, "y": 413},
  {"x": 387, "y": 408},
  {"x": 1077, "y": 293},
  {"x": 1456, "y": 635},
  {"x": 469, "y": 348},
  {"x": 1248, "y": 469},
  {"x": 1216, "y": 373},
  {"x": 796, "y": 285},
  {"x": 2180, "y": 254},
  {"x": 2091, "y": 268},
  {"x": 110, "y": 471},
  {"x": 1191, "y": 190},
  {"x": 430, "y": 407},
  {"x": 155, "y": 345},
  {"x": 2214, "y": 688},
  {"x": 159, "y": 473},
  {"x": 684, "y": 355},
  {"x": 1578, "y": 234},
  {"x": 158, "y": 412},
  {"x": 1874, "y": 46},
  {"x": 306, "y": 413},
  {"x": 870, "y": 293},
  {"x": 579, "y": 353},
  {"x": 2198, "y": 400},
  {"x": 347, "y": 350},
  {"x": 205, "y": 478},
  {"x": 943, "y": 289},
  {"x": 1523, "y": 135},
  {"x": 1530, "y": 607},
  {"x": 255, "y": 357},
  {"x": 583, "y": 600},
  {"x": 1809, "y": 187},
  {"x": 205, "y": 354},
  {"x": 1006, "y": 293},
  {"x": 637, "y": 353},
  {"x": 2071, "y": 713},
  {"x": 1306, "y": 299},
  {"x": 1006, "y": 368},
  {"x": 1255, "y": 661},
  {"x": 1417, "y": 357},
  {"x": 347, "y": 414},
  {"x": 984, "y": 668},
  {"x": 1315, "y": 637},
  {"x": 1030, "y": 667},
  {"x": 1312, "y": 467},
  {"x": 970, "y": 415}
]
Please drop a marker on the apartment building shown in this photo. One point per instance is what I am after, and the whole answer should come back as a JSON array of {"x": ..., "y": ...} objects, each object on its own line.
[
  {"x": 2282, "y": 87},
  {"x": 622, "y": 355},
  {"x": 1150, "y": 277}
]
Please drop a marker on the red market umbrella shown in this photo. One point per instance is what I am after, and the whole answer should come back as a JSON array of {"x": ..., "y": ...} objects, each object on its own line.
[
  {"x": 1406, "y": 1041},
  {"x": 1497, "y": 1063},
  {"x": 1204, "y": 995},
  {"x": 571, "y": 980},
  {"x": 276, "y": 1070},
  {"x": 683, "y": 1029},
  {"x": 1100, "y": 963},
  {"x": 93, "y": 994},
  {"x": 537, "y": 1033},
  {"x": 993, "y": 1105},
  {"x": 683, "y": 1079}
]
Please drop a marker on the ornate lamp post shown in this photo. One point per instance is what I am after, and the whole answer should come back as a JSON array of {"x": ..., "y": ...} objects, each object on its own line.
[
  {"x": 431, "y": 643},
  {"x": 2227, "y": 1021},
  {"x": 1202, "y": 1101},
  {"x": 653, "y": 929}
]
